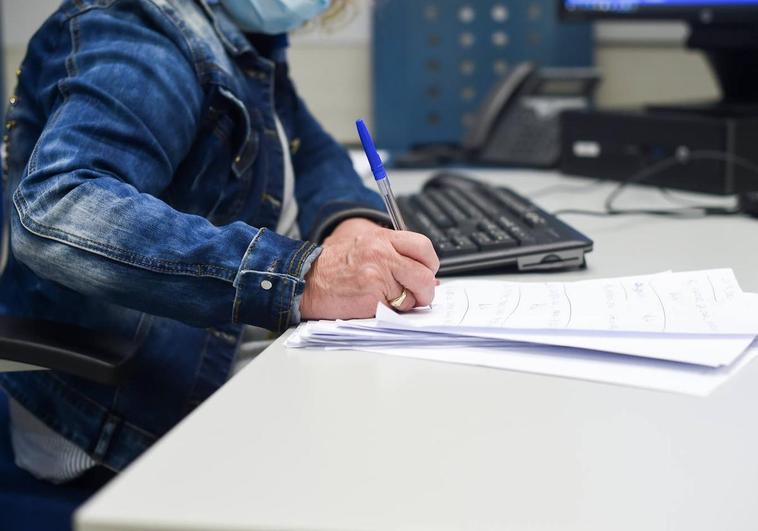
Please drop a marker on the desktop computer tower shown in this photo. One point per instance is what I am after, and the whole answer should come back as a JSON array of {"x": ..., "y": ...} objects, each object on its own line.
[{"x": 705, "y": 151}]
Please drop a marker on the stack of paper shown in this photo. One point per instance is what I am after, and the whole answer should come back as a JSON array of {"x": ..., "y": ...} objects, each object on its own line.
[{"x": 685, "y": 332}]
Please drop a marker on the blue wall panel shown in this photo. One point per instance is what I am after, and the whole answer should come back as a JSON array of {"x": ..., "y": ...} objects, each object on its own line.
[{"x": 435, "y": 60}]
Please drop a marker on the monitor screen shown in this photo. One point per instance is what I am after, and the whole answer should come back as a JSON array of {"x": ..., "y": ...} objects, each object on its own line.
[{"x": 696, "y": 10}]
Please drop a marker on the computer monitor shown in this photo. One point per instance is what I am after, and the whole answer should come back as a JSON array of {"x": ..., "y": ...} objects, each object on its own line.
[
  {"x": 726, "y": 30},
  {"x": 704, "y": 12}
]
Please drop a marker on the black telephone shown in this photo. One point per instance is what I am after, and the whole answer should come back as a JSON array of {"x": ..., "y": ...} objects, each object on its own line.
[{"x": 518, "y": 123}]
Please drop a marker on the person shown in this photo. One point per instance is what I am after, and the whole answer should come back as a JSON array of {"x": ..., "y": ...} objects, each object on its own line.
[{"x": 167, "y": 184}]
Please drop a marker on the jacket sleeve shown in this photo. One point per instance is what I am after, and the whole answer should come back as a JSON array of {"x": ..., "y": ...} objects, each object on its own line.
[
  {"x": 328, "y": 190},
  {"x": 87, "y": 213}
]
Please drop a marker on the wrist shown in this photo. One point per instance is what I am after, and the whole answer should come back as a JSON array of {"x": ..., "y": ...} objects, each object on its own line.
[{"x": 355, "y": 226}]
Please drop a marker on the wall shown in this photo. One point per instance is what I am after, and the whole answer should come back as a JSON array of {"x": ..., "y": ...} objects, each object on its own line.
[{"x": 640, "y": 64}]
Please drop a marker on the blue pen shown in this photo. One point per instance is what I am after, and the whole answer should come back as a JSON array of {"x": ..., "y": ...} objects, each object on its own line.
[{"x": 380, "y": 175}]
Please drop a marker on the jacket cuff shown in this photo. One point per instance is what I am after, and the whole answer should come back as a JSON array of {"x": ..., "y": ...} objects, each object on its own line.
[
  {"x": 269, "y": 283},
  {"x": 336, "y": 213}
]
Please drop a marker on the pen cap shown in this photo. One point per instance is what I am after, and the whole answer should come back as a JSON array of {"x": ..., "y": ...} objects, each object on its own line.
[{"x": 377, "y": 167}]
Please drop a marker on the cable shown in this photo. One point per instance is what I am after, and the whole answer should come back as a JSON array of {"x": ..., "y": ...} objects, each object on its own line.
[
  {"x": 568, "y": 188},
  {"x": 682, "y": 156}
]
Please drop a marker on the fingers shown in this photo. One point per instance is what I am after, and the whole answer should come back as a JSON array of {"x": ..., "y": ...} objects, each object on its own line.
[
  {"x": 415, "y": 246},
  {"x": 396, "y": 291},
  {"x": 359, "y": 267},
  {"x": 416, "y": 278}
]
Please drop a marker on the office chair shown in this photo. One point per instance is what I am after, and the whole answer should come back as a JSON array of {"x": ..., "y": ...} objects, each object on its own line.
[{"x": 27, "y": 503}]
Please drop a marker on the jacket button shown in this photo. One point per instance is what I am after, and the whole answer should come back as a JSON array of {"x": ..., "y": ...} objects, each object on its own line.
[
  {"x": 255, "y": 74},
  {"x": 13, "y": 100},
  {"x": 294, "y": 146},
  {"x": 10, "y": 124},
  {"x": 267, "y": 285}
]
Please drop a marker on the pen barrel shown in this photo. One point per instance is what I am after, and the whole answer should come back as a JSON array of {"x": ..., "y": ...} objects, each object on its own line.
[{"x": 391, "y": 203}]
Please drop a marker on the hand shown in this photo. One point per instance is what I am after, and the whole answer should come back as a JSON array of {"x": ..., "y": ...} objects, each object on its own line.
[{"x": 362, "y": 264}]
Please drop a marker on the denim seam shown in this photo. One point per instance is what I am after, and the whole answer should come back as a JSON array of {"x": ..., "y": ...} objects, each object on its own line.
[
  {"x": 31, "y": 166},
  {"x": 70, "y": 391},
  {"x": 284, "y": 317},
  {"x": 107, "y": 429},
  {"x": 303, "y": 258},
  {"x": 201, "y": 68},
  {"x": 228, "y": 338},
  {"x": 75, "y": 36},
  {"x": 114, "y": 253},
  {"x": 304, "y": 269},
  {"x": 51, "y": 421},
  {"x": 284, "y": 276},
  {"x": 220, "y": 34},
  {"x": 239, "y": 280},
  {"x": 198, "y": 367},
  {"x": 84, "y": 8},
  {"x": 73, "y": 390},
  {"x": 303, "y": 252},
  {"x": 144, "y": 436},
  {"x": 181, "y": 27}
]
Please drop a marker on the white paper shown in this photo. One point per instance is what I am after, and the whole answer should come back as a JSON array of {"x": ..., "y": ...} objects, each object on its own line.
[
  {"x": 587, "y": 365},
  {"x": 681, "y": 332},
  {"x": 702, "y": 302},
  {"x": 707, "y": 350}
]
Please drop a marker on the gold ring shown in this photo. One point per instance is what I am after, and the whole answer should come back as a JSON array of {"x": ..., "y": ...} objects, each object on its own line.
[{"x": 397, "y": 302}]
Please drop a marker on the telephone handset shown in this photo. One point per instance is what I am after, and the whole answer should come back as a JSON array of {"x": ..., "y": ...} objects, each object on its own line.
[{"x": 518, "y": 123}]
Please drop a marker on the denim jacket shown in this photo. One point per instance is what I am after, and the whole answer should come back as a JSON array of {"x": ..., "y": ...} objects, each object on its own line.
[{"x": 143, "y": 177}]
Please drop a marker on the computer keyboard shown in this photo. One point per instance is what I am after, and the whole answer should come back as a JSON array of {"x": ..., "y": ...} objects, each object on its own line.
[{"x": 476, "y": 227}]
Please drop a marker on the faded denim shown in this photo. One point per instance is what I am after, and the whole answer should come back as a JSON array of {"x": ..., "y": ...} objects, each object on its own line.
[{"x": 144, "y": 177}]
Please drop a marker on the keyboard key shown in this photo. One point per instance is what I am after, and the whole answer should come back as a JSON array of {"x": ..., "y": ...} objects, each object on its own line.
[
  {"x": 455, "y": 213},
  {"x": 433, "y": 211},
  {"x": 425, "y": 225},
  {"x": 481, "y": 203},
  {"x": 464, "y": 244},
  {"x": 445, "y": 248},
  {"x": 465, "y": 219},
  {"x": 524, "y": 211},
  {"x": 468, "y": 208},
  {"x": 516, "y": 231},
  {"x": 502, "y": 237},
  {"x": 486, "y": 243},
  {"x": 487, "y": 225}
]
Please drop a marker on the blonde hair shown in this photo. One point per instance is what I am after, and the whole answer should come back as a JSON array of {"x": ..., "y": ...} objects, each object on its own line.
[{"x": 338, "y": 13}]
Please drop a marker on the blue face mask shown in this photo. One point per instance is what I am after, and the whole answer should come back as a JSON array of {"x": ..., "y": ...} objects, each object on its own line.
[{"x": 273, "y": 16}]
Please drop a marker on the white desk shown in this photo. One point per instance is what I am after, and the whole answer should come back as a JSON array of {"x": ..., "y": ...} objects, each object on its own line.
[{"x": 361, "y": 442}]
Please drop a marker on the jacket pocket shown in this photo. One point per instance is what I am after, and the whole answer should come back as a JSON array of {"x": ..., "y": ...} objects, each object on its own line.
[{"x": 211, "y": 178}]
